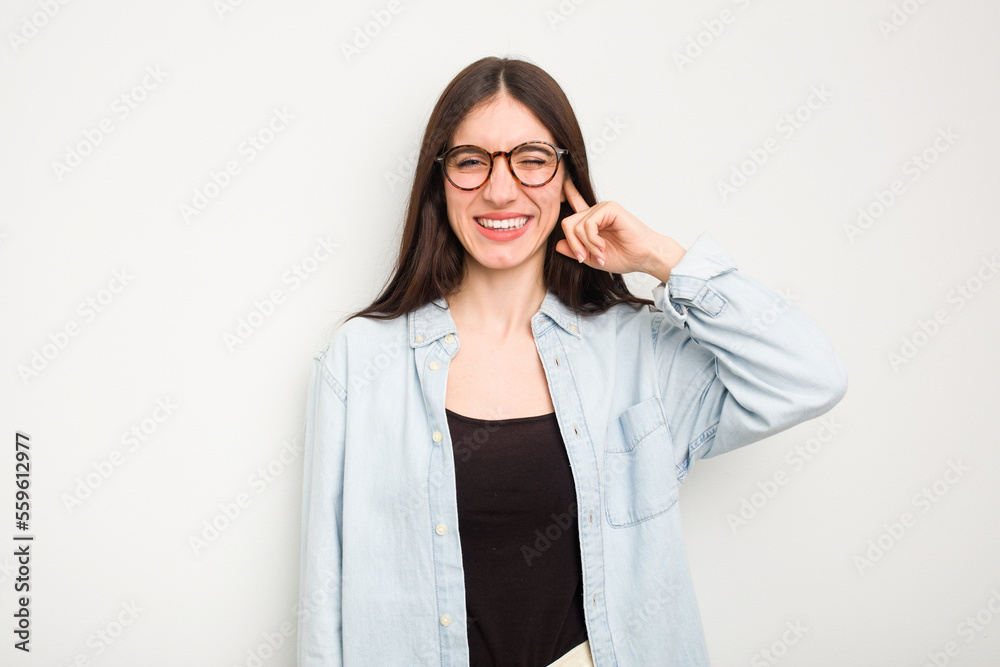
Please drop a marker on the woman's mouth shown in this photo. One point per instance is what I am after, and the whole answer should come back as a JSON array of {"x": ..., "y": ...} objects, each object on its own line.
[
  {"x": 506, "y": 224},
  {"x": 506, "y": 229}
]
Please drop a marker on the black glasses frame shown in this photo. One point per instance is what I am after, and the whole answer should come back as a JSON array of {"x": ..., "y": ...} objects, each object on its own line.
[{"x": 560, "y": 152}]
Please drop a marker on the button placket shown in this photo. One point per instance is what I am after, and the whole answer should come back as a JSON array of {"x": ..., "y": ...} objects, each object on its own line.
[
  {"x": 432, "y": 368},
  {"x": 568, "y": 403}
]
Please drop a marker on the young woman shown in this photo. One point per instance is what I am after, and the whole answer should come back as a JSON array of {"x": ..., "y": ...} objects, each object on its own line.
[{"x": 494, "y": 446}]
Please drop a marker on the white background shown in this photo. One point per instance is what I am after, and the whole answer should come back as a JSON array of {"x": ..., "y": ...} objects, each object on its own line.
[{"x": 662, "y": 135}]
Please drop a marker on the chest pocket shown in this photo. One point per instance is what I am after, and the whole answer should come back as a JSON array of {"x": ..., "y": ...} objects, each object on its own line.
[{"x": 640, "y": 481}]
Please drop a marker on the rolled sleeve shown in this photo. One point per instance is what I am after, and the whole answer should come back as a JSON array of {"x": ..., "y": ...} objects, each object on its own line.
[
  {"x": 737, "y": 362},
  {"x": 689, "y": 280}
]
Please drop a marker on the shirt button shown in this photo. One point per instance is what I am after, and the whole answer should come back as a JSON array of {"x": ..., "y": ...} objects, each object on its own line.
[
  {"x": 420, "y": 338},
  {"x": 446, "y": 620},
  {"x": 436, "y": 436},
  {"x": 441, "y": 529},
  {"x": 434, "y": 365},
  {"x": 572, "y": 327},
  {"x": 450, "y": 338}
]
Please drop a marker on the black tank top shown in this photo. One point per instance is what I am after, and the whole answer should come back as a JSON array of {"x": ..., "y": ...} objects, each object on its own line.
[{"x": 520, "y": 542}]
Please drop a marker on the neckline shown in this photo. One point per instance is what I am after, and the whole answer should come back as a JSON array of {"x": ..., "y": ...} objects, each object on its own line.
[{"x": 500, "y": 422}]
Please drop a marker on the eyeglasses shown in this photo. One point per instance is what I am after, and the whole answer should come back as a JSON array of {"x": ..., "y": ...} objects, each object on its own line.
[{"x": 532, "y": 164}]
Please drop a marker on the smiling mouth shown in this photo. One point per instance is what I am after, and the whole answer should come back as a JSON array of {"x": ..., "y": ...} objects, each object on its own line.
[{"x": 509, "y": 223}]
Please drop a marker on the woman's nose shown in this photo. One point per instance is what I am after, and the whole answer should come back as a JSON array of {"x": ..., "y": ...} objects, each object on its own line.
[{"x": 501, "y": 185}]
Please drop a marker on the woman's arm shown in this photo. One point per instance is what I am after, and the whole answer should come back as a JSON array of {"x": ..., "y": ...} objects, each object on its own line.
[
  {"x": 737, "y": 361},
  {"x": 319, "y": 624}
]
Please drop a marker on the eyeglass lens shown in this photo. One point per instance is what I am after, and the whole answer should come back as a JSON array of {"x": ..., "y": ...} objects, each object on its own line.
[{"x": 533, "y": 164}]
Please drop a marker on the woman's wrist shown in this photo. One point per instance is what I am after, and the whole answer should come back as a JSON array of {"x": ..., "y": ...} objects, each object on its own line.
[{"x": 664, "y": 254}]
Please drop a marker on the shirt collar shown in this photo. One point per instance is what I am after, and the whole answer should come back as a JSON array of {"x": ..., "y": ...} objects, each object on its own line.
[{"x": 433, "y": 320}]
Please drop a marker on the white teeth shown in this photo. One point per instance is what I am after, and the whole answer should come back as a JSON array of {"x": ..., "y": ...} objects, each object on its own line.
[{"x": 510, "y": 223}]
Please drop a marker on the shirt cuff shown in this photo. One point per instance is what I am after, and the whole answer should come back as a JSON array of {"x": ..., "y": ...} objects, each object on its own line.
[{"x": 689, "y": 282}]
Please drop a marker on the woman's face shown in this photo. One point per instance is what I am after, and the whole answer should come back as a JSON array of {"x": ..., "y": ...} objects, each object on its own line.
[{"x": 501, "y": 125}]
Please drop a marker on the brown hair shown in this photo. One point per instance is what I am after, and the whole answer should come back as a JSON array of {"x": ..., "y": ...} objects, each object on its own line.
[{"x": 430, "y": 258}]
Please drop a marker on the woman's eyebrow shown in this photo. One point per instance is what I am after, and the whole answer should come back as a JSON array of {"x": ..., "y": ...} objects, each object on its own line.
[{"x": 481, "y": 145}]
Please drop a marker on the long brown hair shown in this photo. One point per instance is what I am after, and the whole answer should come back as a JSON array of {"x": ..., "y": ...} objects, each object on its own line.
[{"x": 429, "y": 264}]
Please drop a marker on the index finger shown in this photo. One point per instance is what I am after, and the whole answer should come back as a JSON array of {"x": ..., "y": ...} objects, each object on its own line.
[{"x": 573, "y": 196}]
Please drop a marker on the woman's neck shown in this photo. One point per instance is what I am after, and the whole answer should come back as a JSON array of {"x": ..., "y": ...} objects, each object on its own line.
[{"x": 499, "y": 304}]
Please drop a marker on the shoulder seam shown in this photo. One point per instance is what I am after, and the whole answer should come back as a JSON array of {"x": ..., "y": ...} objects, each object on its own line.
[{"x": 332, "y": 382}]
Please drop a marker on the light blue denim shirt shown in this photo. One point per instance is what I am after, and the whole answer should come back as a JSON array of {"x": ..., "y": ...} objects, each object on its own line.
[{"x": 639, "y": 393}]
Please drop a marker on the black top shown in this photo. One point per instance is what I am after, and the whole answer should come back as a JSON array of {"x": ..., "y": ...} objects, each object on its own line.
[{"x": 520, "y": 544}]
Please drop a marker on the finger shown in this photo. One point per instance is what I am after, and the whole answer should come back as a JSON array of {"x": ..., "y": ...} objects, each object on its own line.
[
  {"x": 593, "y": 230},
  {"x": 570, "y": 223},
  {"x": 587, "y": 231},
  {"x": 579, "y": 229},
  {"x": 573, "y": 196},
  {"x": 563, "y": 246}
]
